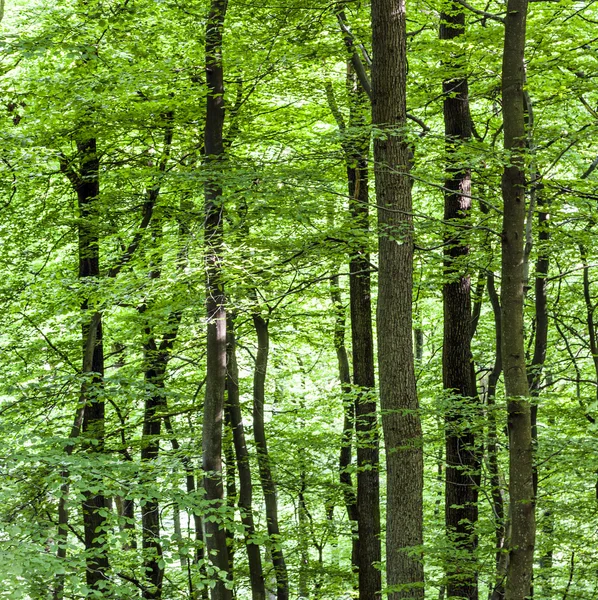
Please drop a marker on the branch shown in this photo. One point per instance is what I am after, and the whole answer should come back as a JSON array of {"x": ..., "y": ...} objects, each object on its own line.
[
  {"x": 356, "y": 61},
  {"x": 148, "y": 206},
  {"x": 482, "y": 13},
  {"x": 334, "y": 109}
]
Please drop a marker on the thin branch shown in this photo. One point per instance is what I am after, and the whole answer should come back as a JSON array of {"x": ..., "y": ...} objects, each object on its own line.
[{"x": 482, "y": 13}]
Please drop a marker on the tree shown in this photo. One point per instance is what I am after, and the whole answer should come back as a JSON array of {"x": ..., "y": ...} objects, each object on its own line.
[{"x": 398, "y": 396}]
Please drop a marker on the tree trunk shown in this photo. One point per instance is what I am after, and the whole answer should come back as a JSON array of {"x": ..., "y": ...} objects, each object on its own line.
[
  {"x": 265, "y": 468},
  {"x": 215, "y": 532},
  {"x": 155, "y": 368},
  {"x": 345, "y": 456},
  {"x": 534, "y": 376},
  {"x": 362, "y": 342},
  {"x": 398, "y": 396},
  {"x": 462, "y": 461},
  {"x": 523, "y": 529},
  {"x": 94, "y": 503},
  {"x": 498, "y": 502},
  {"x": 256, "y": 574}
]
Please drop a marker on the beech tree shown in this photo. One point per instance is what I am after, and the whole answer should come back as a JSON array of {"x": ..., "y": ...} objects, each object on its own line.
[{"x": 298, "y": 300}]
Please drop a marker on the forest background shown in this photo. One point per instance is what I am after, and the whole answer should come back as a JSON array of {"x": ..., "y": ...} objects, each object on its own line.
[{"x": 261, "y": 267}]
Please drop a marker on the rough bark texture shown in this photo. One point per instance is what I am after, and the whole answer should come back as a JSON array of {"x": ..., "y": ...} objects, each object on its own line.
[
  {"x": 265, "y": 468},
  {"x": 94, "y": 504},
  {"x": 213, "y": 413},
  {"x": 362, "y": 342},
  {"x": 256, "y": 574},
  {"x": 519, "y": 573},
  {"x": 462, "y": 468},
  {"x": 398, "y": 397}
]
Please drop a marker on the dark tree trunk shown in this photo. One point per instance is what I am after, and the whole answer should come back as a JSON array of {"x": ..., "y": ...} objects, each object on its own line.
[
  {"x": 265, "y": 468},
  {"x": 462, "y": 468},
  {"x": 362, "y": 342},
  {"x": 345, "y": 457},
  {"x": 498, "y": 503},
  {"x": 215, "y": 532},
  {"x": 523, "y": 527},
  {"x": 534, "y": 376},
  {"x": 155, "y": 369},
  {"x": 231, "y": 483},
  {"x": 94, "y": 503},
  {"x": 256, "y": 574},
  {"x": 398, "y": 397}
]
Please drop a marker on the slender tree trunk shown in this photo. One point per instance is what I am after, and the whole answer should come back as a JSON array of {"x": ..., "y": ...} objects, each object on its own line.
[
  {"x": 366, "y": 549},
  {"x": 398, "y": 396},
  {"x": 231, "y": 486},
  {"x": 265, "y": 468},
  {"x": 155, "y": 368},
  {"x": 462, "y": 468},
  {"x": 94, "y": 503},
  {"x": 63, "y": 510},
  {"x": 215, "y": 532},
  {"x": 498, "y": 502},
  {"x": 521, "y": 488},
  {"x": 345, "y": 456},
  {"x": 256, "y": 574},
  {"x": 362, "y": 342}
]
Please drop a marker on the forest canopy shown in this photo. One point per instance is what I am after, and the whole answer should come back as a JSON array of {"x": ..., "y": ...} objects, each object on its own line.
[{"x": 298, "y": 299}]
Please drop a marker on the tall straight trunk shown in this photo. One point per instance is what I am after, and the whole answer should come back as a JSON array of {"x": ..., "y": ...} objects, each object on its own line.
[
  {"x": 401, "y": 420},
  {"x": 155, "y": 368},
  {"x": 534, "y": 376},
  {"x": 362, "y": 342},
  {"x": 498, "y": 502},
  {"x": 231, "y": 486},
  {"x": 521, "y": 488},
  {"x": 263, "y": 457},
  {"x": 345, "y": 456},
  {"x": 254, "y": 558},
  {"x": 462, "y": 468},
  {"x": 63, "y": 509},
  {"x": 215, "y": 531},
  {"x": 94, "y": 503}
]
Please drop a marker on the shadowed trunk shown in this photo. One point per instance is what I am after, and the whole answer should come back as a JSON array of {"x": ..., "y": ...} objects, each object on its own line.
[
  {"x": 462, "y": 461},
  {"x": 265, "y": 468},
  {"x": 256, "y": 574},
  {"x": 215, "y": 532},
  {"x": 94, "y": 503},
  {"x": 345, "y": 457}
]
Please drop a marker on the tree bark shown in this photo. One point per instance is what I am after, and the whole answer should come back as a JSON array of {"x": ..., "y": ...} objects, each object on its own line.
[
  {"x": 155, "y": 370},
  {"x": 256, "y": 574},
  {"x": 462, "y": 460},
  {"x": 94, "y": 503},
  {"x": 265, "y": 468},
  {"x": 398, "y": 396},
  {"x": 519, "y": 572},
  {"x": 362, "y": 342},
  {"x": 215, "y": 532}
]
